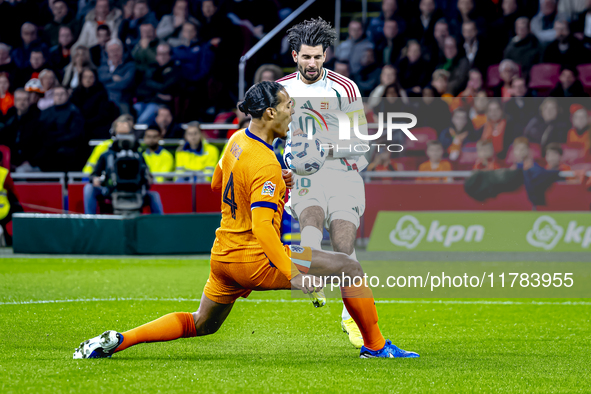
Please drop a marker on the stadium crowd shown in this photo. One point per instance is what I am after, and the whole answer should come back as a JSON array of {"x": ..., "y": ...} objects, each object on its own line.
[{"x": 476, "y": 73}]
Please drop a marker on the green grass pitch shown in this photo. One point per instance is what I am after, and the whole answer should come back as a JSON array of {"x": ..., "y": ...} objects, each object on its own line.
[{"x": 271, "y": 346}]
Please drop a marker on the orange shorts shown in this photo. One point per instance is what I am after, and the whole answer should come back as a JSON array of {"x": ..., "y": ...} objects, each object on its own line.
[{"x": 229, "y": 281}]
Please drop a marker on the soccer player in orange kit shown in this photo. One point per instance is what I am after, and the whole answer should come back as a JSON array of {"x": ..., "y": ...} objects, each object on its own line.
[{"x": 247, "y": 254}]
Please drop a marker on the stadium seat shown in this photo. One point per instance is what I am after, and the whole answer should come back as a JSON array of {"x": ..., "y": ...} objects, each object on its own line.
[
  {"x": 221, "y": 118},
  {"x": 423, "y": 134},
  {"x": 572, "y": 153},
  {"x": 543, "y": 77},
  {"x": 5, "y": 158},
  {"x": 585, "y": 76},
  {"x": 467, "y": 157},
  {"x": 535, "y": 149}
]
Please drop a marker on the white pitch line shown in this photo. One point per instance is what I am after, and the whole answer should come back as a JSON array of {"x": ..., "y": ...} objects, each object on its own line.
[{"x": 442, "y": 302}]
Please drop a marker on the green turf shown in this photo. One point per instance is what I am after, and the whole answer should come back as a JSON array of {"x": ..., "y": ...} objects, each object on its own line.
[{"x": 271, "y": 346}]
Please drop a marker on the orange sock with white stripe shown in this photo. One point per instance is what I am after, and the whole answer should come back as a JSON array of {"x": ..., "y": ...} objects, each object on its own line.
[
  {"x": 167, "y": 328},
  {"x": 361, "y": 306}
]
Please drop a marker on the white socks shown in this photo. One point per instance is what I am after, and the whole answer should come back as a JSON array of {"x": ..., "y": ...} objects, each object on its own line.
[
  {"x": 311, "y": 237},
  {"x": 345, "y": 315}
]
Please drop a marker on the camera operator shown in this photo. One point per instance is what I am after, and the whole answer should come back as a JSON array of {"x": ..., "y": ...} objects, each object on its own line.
[{"x": 101, "y": 185}]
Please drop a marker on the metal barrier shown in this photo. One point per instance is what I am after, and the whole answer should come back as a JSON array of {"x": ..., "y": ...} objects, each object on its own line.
[
  {"x": 368, "y": 175},
  {"x": 193, "y": 176}
]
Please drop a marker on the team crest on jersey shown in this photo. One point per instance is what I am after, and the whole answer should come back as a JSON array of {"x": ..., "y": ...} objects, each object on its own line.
[
  {"x": 303, "y": 191},
  {"x": 268, "y": 189}
]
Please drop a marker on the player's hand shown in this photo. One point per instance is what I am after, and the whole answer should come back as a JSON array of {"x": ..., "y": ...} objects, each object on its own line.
[
  {"x": 298, "y": 132},
  {"x": 305, "y": 283},
  {"x": 96, "y": 182},
  {"x": 288, "y": 178}
]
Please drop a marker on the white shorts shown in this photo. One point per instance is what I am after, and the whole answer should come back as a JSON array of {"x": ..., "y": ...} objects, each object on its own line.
[{"x": 341, "y": 194}]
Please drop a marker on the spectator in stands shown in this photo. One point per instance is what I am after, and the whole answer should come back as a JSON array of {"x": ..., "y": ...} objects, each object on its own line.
[
  {"x": 59, "y": 55},
  {"x": 547, "y": 126},
  {"x": 368, "y": 76},
  {"x": 390, "y": 12},
  {"x": 388, "y": 76},
  {"x": 478, "y": 111},
  {"x": 144, "y": 52},
  {"x": 80, "y": 60},
  {"x": 466, "y": 12},
  {"x": 49, "y": 82},
  {"x": 524, "y": 49},
  {"x": 434, "y": 45},
  {"x": 98, "y": 53},
  {"x": 157, "y": 158},
  {"x": 486, "y": 157},
  {"x": 6, "y": 98},
  {"x": 389, "y": 44},
  {"x": 432, "y": 111},
  {"x": 495, "y": 129},
  {"x": 101, "y": 15},
  {"x": 503, "y": 29},
  {"x": 7, "y": 65},
  {"x": 158, "y": 87},
  {"x": 34, "y": 87},
  {"x": 22, "y": 54},
  {"x": 519, "y": 109},
  {"x": 580, "y": 132},
  {"x": 196, "y": 154},
  {"x": 92, "y": 99},
  {"x": 36, "y": 64},
  {"x": 542, "y": 25},
  {"x": 508, "y": 70},
  {"x": 62, "y": 135},
  {"x": 392, "y": 101},
  {"x": 118, "y": 76},
  {"x": 458, "y": 134},
  {"x": 268, "y": 72},
  {"x": 553, "y": 157},
  {"x": 522, "y": 157},
  {"x": 581, "y": 26},
  {"x": 94, "y": 191},
  {"x": 436, "y": 163},
  {"x": 20, "y": 131},
  {"x": 61, "y": 17},
  {"x": 195, "y": 62},
  {"x": 342, "y": 67},
  {"x": 568, "y": 85},
  {"x": 422, "y": 29},
  {"x": 129, "y": 29},
  {"x": 353, "y": 49},
  {"x": 572, "y": 8},
  {"x": 384, "y": 162},
  {"x": 457, "y": 66},
  {"x": 565, "y": 49},
  {"x": 413, "y": 70},
  {"x": 478, "y": 51},
  {"x": 170, "y": 26},
  {"x": 168, "y": 128},
  {"x": 466, "y": 98}
]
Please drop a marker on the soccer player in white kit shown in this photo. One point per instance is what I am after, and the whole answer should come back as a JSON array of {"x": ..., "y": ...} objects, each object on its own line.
[{"x": 334, "y": 197}]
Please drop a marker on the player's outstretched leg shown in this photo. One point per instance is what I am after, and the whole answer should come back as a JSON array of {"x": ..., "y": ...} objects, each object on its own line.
[
  {"x": 207, "y": 320},
  {"x": 359, "y": 302}
]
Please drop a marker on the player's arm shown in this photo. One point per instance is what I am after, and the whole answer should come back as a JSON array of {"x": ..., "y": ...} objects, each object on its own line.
[
  {"x": 264, "y": 201},
  {"x": 353, "y": 109},
  {"x": 216, "y": 181}
]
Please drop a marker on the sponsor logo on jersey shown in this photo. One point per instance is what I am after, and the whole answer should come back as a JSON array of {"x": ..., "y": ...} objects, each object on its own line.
[{"x": 268, "y": 189}]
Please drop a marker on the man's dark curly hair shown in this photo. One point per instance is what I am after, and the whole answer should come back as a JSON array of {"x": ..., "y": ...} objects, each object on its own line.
[{"x": 313, "y": 32}]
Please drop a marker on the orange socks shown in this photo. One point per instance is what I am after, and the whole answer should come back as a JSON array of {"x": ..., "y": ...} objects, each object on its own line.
[
  {"x": 167, "y": 328},
  {"x": 361, "y": 306}
]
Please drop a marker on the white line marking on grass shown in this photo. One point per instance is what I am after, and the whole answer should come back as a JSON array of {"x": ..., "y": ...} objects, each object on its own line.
[{"x": 257, "y": 301}]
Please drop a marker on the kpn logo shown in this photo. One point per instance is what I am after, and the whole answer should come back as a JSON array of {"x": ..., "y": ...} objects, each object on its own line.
[
  {"x": 547, "y": 233},
  {"x": 409, "y": 233}
]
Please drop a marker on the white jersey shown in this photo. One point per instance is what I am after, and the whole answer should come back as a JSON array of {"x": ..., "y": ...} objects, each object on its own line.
[{"x": 331, "y": 92}]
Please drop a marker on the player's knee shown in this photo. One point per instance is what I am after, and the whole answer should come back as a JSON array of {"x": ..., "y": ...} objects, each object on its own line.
[
  {"x": 344, "y": 246},
  {"x": 205, "y": 326},
  {"x": 350, "y": 266},
  {"x": 312, "y": 216}
]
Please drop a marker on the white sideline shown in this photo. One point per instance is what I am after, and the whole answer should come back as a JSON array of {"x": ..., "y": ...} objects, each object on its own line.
[{"x": 442, "y": 302}]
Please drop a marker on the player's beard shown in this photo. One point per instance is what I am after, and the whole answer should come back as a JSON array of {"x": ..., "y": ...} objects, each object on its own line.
[{"x": 304, "y": 75}]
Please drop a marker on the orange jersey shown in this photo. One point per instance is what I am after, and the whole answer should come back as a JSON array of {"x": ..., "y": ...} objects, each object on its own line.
[
  {"x": 251, "y": 178},
  {"x": 443, "y": 165}
]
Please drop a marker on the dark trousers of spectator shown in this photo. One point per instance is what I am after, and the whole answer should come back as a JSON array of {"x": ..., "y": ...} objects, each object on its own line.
[{"x": 93, "y": 193}]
